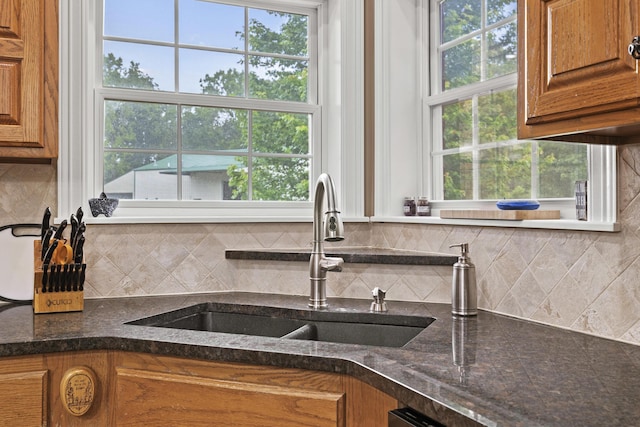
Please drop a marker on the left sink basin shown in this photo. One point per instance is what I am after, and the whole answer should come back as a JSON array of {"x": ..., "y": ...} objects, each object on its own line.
[{"x": 384, "y": 330}]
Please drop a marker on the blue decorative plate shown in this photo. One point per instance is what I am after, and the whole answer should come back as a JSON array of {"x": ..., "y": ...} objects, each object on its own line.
[{"x": 523, "y": 205}]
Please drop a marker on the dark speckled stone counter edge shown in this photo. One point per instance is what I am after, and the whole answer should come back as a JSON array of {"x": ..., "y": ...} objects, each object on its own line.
[
  {"x": 362, "y": 255},
  {"x": 491, "y": 369}
]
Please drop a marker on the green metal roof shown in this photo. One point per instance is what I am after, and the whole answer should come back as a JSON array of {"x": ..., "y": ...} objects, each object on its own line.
[{"x": 192, "y": 163}]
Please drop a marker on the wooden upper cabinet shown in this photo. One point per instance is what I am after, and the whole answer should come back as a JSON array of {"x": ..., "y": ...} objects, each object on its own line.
[
  {"x": 28, "y": 79},
  {"x": 576, "y": 77}
]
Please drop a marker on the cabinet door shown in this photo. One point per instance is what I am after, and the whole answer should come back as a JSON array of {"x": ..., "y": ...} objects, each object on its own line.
[
  {"x": 28, "y": 78},
  {"x": 152, "y": 390},
  {"x": 23, "y": 392},
  {"x": 58, "y": 364},
  {"x": 368, "y": 406},
  {"x": 576, "y": 62},
  {"x": 154, "y": 398}
]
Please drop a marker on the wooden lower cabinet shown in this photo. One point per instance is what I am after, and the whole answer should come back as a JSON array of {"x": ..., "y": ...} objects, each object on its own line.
[
  {"x": 152, "y": 398},
  {"x": 30, "y": 389},
  {"x": 58, "y": 364},
  {"x": 158, "y": 390},
  {"x": 23, "y": 391},
  {"x": 134, "y": 389}
]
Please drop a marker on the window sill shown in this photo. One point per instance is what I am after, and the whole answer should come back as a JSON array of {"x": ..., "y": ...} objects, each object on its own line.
[
  {"x": 549, "y": 224},
  {"x": 205, "y": 219},
  {"x": 561, "y": 224}
]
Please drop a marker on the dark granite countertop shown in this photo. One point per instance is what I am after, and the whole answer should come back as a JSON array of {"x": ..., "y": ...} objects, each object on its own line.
[
  {"x": 355, "y": 254},
  {"x": 493, "y": 369}
]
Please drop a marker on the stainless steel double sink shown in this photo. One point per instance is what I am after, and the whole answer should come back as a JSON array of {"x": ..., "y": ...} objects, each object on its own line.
[{"x": 364, "y": 328}]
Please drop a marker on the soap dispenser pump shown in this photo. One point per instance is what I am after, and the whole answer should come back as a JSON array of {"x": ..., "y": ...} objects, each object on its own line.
[{"x": 464, "y": 297}]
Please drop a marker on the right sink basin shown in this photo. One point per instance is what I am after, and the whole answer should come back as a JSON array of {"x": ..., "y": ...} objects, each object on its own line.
[{"x": 364, "y": 328}]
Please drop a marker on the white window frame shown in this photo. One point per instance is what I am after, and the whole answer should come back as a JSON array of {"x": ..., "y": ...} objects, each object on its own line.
[
  {"x": 403, "y": 161},
  {"x": 339, "y": 94}
]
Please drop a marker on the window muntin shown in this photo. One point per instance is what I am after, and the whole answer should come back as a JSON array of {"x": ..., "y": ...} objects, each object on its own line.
[
  {"x": 474, "y": 150},
  {"x": 249, "y": 135}
]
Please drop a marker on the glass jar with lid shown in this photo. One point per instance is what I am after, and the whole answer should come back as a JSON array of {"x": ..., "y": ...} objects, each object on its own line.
[
  {"x": 409, "y": 206},
  {"x": 423, "y": 207}
]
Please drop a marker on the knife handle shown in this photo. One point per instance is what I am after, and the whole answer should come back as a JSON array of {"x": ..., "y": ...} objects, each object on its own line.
[
  {"x": 75, "y": 273},
  {"x": 78, "y": 252},
  {"x": 81, "y": 278},
  {"x": 79, "y": 214},
  {"x": 45, "y": 277},
  {"x": 52, "y": 278},
  {"x": 68, "y": 272},
  {"x": 74, "y": 229},
  {"x": 64, "y": 281},
  {"x": 59, "y": 277},
  {"x": 46, "y": 241},
  {"x": 60, "y": 229},
  {"x": 45, "y": 223},
  {"x": 49, "y": 253},
  {"x": 82, "y": 227}
]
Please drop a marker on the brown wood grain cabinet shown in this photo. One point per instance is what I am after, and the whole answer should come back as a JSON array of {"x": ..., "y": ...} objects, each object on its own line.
[
  {"x": 23, "y": 391},
  {"x": 576, "y": 77},
  {"x": 30, "y": 389},
  {"x": 133, "y": 389},
  {"x": 184, "y": 392},
  {"x": 28, "y": 80},
  {"x": 57, "y": 364}
]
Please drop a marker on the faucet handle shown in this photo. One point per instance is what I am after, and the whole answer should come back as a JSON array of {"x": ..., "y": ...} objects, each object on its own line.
[
  {"x": 328, "y": 263},
  {"x": 378, "y": 304}
]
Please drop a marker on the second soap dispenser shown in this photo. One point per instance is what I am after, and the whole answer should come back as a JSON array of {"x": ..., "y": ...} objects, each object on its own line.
[{"x": 464, "y": 297}]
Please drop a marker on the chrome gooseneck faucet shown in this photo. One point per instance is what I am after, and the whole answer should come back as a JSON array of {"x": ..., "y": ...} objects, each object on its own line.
[{"x": 330, "y": 230}]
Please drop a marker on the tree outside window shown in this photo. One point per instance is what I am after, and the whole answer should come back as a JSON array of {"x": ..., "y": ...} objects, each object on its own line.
[
  {"x": 250, "y": 138},
  {"x": 479, "y": 152}
]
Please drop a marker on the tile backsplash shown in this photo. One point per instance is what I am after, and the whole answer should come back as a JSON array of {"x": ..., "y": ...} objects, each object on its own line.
[{"x": 584, "y": 281}]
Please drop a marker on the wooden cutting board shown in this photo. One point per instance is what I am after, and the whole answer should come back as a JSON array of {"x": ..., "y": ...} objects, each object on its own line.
[{"x": 512, "y": 215}]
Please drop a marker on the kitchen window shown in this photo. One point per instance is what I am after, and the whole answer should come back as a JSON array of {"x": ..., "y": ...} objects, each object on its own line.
[
  {"x": 200, "y": 109},
  {"x": 474, "y": 149},
  {"x": 469, "y": 157}
]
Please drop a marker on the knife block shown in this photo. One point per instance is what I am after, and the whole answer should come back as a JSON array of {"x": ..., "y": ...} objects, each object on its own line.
[{"x": 67, "y": 294}]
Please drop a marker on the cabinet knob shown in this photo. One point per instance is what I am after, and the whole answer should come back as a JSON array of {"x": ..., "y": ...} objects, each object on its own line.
[{"x": 634, "y": 47}]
